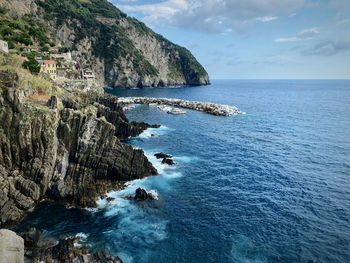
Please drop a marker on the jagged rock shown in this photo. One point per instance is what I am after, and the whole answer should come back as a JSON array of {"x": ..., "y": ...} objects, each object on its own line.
[
  {"x": 52, "y": 103},
  {"x": 71, "y": 154},
  {"x": 11, "y": 247},
  {"x": 143, "y": 125},
  {"x": 142, "y": 195},
  {"x": 162, "y": 155},
  {"x": 32, "y": 237},
  {"x": 110, "y": 109},
  {"x": 67, "y": 250},
  {"x": 98, "y": 257},
  {"x": 168, "y": 161}
]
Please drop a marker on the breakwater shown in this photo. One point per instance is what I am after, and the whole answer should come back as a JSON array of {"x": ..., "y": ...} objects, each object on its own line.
[{"x": 210, "y": 108}]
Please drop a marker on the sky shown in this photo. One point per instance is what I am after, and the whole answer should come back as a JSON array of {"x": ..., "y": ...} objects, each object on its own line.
[{"x": 255, "y": 39}]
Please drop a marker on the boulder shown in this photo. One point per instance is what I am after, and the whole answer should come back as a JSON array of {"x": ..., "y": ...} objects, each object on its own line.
[
  {"x": 110, "y": 199},
  {"x": 142, "y": 195},
  {"x": 11, "y": 247},
  {"x": 32, "y": 237},
  {"x": 162, "y": 155},
  {"x": 168, "y": 161}
]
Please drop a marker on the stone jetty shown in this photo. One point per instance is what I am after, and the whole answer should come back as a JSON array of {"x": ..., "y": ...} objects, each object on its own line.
[{"x": 211, "y": 108}]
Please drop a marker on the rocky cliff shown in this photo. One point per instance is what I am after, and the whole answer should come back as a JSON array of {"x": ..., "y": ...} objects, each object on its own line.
[
  {"x": 59, "y": 144},
  {"x": 122, "y": 51}
]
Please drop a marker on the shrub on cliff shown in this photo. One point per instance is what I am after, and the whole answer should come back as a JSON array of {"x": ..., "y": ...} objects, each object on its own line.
[{"x": 32, "y": 64}]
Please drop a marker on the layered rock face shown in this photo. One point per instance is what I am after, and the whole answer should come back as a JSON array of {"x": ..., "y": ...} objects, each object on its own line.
[{"x": 66, "y": 148}]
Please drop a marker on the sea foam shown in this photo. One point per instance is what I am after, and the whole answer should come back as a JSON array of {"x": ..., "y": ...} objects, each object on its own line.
[{"x": 155, "y": 132}]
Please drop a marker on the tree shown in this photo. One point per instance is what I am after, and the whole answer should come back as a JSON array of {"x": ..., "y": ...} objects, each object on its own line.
[
  {"x": 45, "y": 48},
  {"x": 32, "y": 64},
  {"x": 11, "y": 45}
]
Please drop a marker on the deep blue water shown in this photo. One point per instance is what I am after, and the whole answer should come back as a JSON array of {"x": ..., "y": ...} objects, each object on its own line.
[{"x": 269, "y": 186}]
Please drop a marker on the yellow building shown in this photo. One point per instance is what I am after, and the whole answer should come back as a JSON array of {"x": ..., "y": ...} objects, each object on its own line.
[{"x": 49, "y": 67}]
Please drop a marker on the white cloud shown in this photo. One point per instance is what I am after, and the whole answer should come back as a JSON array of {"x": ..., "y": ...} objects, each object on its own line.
[
  {"x": 327, "y": 48},
  {"x": 289, "y": 39},
  {"x": 343, "y": 21},
  {"x": 306, "y": 34},
  {"x": 266, "y": 18},
  {"x": 203, "y": 15},
  {"x": 157, "y": 12}
]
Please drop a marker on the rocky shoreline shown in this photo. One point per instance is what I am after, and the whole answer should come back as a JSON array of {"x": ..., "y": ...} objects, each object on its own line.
[
  {"x": 31, "y": 246},
  {"x": 64, "y": 146},
  {"x": 210, "y": 108}
]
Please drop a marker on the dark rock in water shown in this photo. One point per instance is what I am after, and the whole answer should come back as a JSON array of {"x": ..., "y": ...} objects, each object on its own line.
[
  {"x": 110, "y": 199},
  {"x": 67, "y": 250},
  {"x": 32, "y": 237},
  {"x": 98, "y": 257},
  {"x": 168, "y": 161},
  {"x": 142, "y": 195},
  {"x": 144, "y": 125},
  {"x": 162, "y": 155}
]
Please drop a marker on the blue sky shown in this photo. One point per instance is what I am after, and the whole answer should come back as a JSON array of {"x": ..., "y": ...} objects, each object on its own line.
[{"x": 255, "y": 39}]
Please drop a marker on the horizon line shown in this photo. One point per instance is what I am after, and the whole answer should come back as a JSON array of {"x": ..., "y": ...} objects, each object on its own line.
[{"x": 277, "y": 79}]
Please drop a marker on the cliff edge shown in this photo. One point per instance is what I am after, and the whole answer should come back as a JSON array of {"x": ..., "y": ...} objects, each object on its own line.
[{"x": 60, "y": 144}]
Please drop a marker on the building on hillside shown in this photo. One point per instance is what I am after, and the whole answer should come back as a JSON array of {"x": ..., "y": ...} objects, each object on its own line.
[
  {"x": 88, "y": 75},
  {"x": 49, "y": 67},
  {"x": 30, "y": 49},
  {"x": 4, "y": 47}
]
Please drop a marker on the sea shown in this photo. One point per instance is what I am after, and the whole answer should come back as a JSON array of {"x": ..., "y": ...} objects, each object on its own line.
[{"x": 269, "y": 186}]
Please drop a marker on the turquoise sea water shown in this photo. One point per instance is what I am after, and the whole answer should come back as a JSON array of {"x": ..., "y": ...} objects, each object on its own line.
[{"x": 269, "y": 186}]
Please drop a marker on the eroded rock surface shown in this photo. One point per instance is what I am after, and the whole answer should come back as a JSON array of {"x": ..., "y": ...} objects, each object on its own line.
[{"x": 69, "y": 152}]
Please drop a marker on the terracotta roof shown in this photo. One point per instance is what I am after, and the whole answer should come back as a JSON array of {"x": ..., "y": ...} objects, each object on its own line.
[{"x": 50, "y": 61}]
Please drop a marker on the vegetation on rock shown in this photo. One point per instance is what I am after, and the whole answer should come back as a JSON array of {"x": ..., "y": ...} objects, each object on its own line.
[
  {"x": 26, "y": 31},
  {"x": 32, "y": 64}
]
